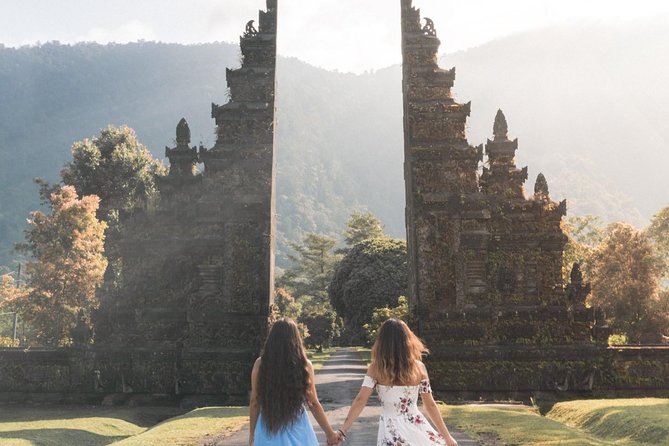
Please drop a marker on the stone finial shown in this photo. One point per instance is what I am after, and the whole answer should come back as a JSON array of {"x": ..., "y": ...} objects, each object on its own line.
[
  {"x": 183, "y": 132},
  {"x": 541, "y": 187},
  {"x": 429, "y": 29},
  {"x": 576, "y": 275},
  {"x": 500, "y": 129},
  {"x": 576, "y": 290},
  {"x": 250, "y": 29}
]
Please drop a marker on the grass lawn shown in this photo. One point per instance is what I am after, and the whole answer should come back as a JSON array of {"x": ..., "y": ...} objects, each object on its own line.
[
  {"x": 514, "y": 426},
  {"x": 126, "y": 426},
  {"x": 618, "y": 422},
  {"x": 192, "y": 428},
  {"x": 75, "y": 425},
  {"x": 640, "y": 420}
]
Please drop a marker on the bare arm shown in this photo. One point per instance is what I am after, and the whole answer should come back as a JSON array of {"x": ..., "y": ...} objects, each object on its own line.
[
  {"x": 434, "y": 414},
  {"x": 357, "y": 405},
  {"x": 254, "y": 408},
  {"x": 317, "y": 409}
]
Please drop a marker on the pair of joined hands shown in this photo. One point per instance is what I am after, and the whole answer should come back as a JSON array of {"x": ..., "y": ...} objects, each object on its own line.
[{"x": 336, "y": 437}]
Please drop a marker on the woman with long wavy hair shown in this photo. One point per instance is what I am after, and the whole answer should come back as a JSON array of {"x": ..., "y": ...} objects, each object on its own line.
[
  {"x": 282, "y": 383},
  {"x": 399, "y": 376}
]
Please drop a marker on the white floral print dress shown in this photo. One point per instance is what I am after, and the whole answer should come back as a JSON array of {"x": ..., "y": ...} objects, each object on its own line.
[{"x": 401, "y": 423}]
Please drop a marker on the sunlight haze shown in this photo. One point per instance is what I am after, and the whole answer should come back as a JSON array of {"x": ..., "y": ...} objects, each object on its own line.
[{"x": 343, "y": 35}]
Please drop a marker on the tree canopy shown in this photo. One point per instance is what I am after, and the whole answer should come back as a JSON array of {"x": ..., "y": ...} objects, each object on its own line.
[
  {"x": 313, "y": 265},
  {"x": 67, "y": 246},
  {"x": 659, "y": 231},
  {"x": 116, "y": 167},
  {"x": 625, "y": 271},
  {"x": 362, "y": 226},
  {"x": 372, "y": 275}
]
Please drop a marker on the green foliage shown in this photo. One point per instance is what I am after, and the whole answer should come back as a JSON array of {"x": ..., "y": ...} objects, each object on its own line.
[
  {"x": 116, "y": 167},
  {"x": 286, "y": 304},
  {"x": 362, "y": 226},
  {"x": 323, "y": 328},
  {"x": 301, "y": 292},
  {"x": 625, "y": 272},
  {"x": 8, "y": 292},
  {"x": 659, "y": 229},
  {"x": 313, "y": 266},
  {"x": 380, "y": 315},
  {"x": 617, "y": 339},
  {"x": 584, "y": 234},
  {"x": 372, "y": 275},
  {"x": 6, "y": 341},
  {"x": 69, "y": 265}
]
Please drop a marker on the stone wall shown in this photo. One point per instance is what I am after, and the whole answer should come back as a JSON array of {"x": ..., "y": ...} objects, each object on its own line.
[{"x": 141, "y": 376}]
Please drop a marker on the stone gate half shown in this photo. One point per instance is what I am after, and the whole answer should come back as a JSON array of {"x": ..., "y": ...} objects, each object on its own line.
[
  {"x": 189, "y": 313},
  {"x": 485, "y": 260}
]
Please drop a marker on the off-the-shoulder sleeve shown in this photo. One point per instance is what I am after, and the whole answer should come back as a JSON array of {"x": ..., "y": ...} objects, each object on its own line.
[
  {"x": 368, "y": 382},
  {"x": 425, "y": 386}
]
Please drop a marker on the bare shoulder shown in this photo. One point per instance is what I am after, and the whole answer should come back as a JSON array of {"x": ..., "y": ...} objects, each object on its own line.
[
  {"x": 371, "y": 371},
  {"x": 422, "y": 368},
  {"x": 256, "y": 365}
]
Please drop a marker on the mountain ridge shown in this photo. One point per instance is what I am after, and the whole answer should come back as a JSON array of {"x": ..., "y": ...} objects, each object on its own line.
[{"x": 339, "y": 135}]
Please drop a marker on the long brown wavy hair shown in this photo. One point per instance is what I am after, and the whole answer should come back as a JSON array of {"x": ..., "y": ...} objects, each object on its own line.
[
  {"x": 396, "y": 353},
  {"x": 283, "y": 378}
]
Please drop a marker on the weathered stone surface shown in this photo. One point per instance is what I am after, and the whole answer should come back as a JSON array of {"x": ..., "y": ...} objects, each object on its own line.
[
  {"x": 189, "y": 314},
  {"x": 485, "y": 260}
]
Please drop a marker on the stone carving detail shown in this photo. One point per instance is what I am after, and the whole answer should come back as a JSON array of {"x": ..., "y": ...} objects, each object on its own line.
[
  {"x": 183, "y": 158},
  {"x": 183, "y": 132},
  {"x": 541, "y": 188},
  {"x": 576, "y": 290},
  {"x": 250, "y": 30},
  {"x": 429, "y": 29},
  {"x": 500, "y": 128}
]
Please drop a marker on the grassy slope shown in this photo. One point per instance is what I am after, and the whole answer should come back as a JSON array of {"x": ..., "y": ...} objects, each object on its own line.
[
  {"x": 74, "y": 425},
  {"x": 518, "y": 426},
  {"x": 621, "y": 422},
  {"x": 641, "y": 420},
  {"x": 192, "y": 427}
]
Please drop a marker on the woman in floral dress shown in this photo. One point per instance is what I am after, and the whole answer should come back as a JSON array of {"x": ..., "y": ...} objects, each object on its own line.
[{"x": 399, "y": 376}]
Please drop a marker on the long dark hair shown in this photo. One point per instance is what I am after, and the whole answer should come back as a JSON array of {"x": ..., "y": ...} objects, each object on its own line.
[
  {"x": 283, "y": 379},
  {"x": 396, "y": 353}
]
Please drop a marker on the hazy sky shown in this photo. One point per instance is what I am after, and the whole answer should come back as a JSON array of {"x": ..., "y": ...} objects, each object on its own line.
[{"x": 347, "y": 35}]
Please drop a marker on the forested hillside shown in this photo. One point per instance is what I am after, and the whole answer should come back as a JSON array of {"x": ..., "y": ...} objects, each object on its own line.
[{"x": 589, "y": 105}]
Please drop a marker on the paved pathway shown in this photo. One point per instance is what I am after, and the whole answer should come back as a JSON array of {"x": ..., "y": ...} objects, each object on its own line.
[{"x": 337, "y": 384}]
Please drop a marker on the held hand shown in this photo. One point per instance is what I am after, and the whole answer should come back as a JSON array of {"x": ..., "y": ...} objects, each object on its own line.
[
  {"x": 333, "y": 438},
  {"x": 342, "y": 435},
  {"x": 450, "y": 441}
]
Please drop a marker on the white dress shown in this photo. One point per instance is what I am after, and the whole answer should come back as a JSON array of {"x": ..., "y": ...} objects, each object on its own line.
[{"x": 401, "y": 423}]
